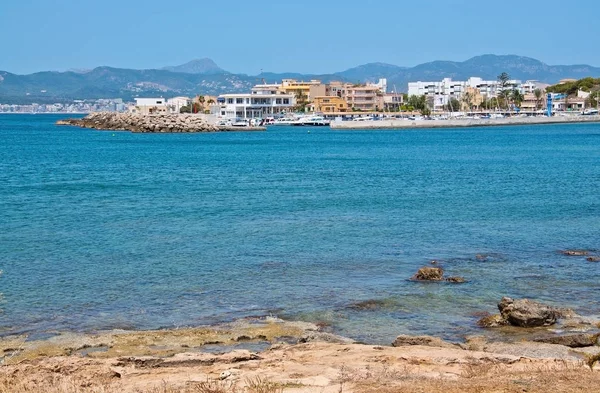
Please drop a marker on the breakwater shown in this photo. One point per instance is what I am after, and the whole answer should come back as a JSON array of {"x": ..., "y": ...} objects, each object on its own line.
[
  {"x": 163, "y": 123},
  {"x": 452, "y": 123}
]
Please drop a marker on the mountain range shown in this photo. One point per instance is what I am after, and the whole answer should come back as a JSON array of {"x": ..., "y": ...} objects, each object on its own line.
[{"x": 204, "y": 76}]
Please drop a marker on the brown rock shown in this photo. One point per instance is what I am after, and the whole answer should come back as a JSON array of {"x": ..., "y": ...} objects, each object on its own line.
[
  {"x": 593, "y": 259},
  {"x": 527, "y": 313},
  {"x": 579, "y": 340},
  {"x": 456, "y": 280},
  {"x": 429, "y": 274}
]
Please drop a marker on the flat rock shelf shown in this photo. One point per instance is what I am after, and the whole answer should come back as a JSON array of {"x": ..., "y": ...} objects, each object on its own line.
[{"x": 159, "y": 123}]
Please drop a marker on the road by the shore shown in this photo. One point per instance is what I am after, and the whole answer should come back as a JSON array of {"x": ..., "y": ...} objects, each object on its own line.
[{"x": 454, "y": 123}]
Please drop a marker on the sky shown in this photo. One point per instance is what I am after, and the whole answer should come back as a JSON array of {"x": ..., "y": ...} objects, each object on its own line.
[{"x": 307, "y": 36}]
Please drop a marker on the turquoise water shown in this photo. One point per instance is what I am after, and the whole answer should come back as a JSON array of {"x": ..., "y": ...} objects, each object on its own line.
[{"x": 102, "y": 230}]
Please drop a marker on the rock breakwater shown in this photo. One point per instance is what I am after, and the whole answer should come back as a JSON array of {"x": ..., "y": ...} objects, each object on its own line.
[{"x": 164, "y": 123}]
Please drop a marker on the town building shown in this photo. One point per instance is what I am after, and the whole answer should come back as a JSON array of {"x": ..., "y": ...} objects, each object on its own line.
[
  {"x": 149, "y": 106},
  {"x": 445, "y": 89},
  {"x": 176, "y": 103},
  {"x": 328, "y": 104},
  {"x": 392, "y": 102},
  {"x": 364, "y": 98},
  {"x": 303, "y": 90},
  {"x": 261, "y": 102}
]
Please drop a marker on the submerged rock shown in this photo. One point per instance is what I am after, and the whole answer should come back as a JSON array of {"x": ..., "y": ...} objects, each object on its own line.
[
  {"x": 593, "y": 259},
  {"x": 575, "y": 253},
  {"x": 491, "y": 321},
  {"x": 456, "y": 280},
  {"x": 429, "y": 274},
  {"x": 367, "y": 305},
  {"x": 428, "y": 341},
  {"x": 527, "y": 313}
]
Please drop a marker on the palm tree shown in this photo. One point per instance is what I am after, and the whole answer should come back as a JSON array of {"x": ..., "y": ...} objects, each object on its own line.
[
  {"x": 538, "y": 98},
  {"x": 517, "y": 97},
  {"x": 210, "y": 101},
  {"x": 201, "y": 101},
  {"x": 301, "y": 101},
  {"x": 503, "y": 79},
  {"x": 468, "y": 100}
]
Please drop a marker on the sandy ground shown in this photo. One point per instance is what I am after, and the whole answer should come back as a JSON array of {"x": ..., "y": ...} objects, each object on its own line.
[{"x": 211, "y": 360}]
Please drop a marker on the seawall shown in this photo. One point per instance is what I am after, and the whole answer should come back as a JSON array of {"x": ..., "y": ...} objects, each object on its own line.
[
  {"x": 159, "y": 123},
  {"x": 452, "y": 123}
]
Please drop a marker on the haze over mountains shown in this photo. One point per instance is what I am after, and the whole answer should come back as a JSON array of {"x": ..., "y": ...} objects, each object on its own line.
[{"x": 204, "y": 76}]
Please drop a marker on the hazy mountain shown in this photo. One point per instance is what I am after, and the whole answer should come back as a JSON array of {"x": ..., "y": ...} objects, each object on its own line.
[
  {"x": 198, "y": 66},
  {"x": 204, "y": 76}
]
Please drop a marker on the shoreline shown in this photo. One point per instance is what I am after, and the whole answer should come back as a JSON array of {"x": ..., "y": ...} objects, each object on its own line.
[
  {"x": 295, "y": 356},
  {"x": 460, "y": 123}
]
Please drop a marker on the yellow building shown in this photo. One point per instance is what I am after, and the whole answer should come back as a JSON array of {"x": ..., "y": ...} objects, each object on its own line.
[
  {"x": 327, "y": 104},
  {"x": 307, "y": 90},
  {"x": 474, "y": 100}
]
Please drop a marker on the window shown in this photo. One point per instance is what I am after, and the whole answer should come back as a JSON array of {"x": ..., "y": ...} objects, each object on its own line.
[
  {"x": 239, "y": 100},
  {"x": 230, "y": 100},
  {"x": 247, "y": 100},
  {"x": 286, "y": 101},
  {"x": 278, "y": 101},
  {"x": 222, "y": 113}
]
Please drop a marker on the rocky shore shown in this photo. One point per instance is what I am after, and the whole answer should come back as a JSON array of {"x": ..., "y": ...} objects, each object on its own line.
[
  {"x": 159, "y": 123},
  {"x": 268, "y": 355}
]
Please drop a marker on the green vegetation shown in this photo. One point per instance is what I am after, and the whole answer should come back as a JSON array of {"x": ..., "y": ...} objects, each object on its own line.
[
  {"x": 585, "y": 84},
  {"x": 419, "y": 103},
  {"x": 196, "y": 106},
  {"x": 453, "y": 105},
  {"x": 588, "y": 85}
]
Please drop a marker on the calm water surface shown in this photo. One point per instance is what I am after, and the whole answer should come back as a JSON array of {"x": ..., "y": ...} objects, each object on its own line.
[{"x": 102, "y": 230}]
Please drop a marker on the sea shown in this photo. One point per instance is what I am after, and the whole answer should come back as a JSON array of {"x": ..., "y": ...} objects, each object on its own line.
[{"x": 103, "y": 230}]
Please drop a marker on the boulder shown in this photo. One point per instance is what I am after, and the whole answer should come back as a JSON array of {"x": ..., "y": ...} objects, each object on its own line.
[
  {"x": 579, "y": 340},
  {"x": 527, "y": 313},
  {"x": 429, "y": 274},
  {"x": 456, "y": 280},
  {"x": 593, "y": 259}
]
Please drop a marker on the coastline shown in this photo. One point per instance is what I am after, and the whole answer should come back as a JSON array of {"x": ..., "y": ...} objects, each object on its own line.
[
  {"x": 287, "y": 356},
  {"x": 460, "y": 123}
]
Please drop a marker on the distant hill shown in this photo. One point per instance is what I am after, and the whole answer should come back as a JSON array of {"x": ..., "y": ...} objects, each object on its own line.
[
  {"x": 198, "y": 66},
  {"x": 203, "y": 76}
]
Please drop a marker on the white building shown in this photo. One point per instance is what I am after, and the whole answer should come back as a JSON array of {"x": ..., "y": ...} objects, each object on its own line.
[
  {"x": 176, "y": 103},
  {"x": 381, "y": 85},
  {"x": 263, "y": 101},
  {"x": 149, "y": 106},
  {"x": 443, "y": 90}
]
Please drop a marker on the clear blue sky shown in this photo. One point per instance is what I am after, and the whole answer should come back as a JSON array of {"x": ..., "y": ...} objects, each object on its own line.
[{"x": 307, "y": 36}]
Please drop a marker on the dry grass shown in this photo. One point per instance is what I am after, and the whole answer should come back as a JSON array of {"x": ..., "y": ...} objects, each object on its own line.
[
  {"x": 63, "y": 384},
  {"x": 591, "y": 360},
  {"x": 478, "y": 377}
]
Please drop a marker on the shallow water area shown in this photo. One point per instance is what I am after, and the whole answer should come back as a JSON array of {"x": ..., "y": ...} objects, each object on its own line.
[{"x": 111, "y": 230}]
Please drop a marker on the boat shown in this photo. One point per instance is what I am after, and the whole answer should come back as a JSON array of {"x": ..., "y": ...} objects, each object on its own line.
[
  {"x": 284, "y": 121},
  {"x": 240, "y": 123},
  {"x": 312, "y": 120},
  {"x": 364, "y": 118}
]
